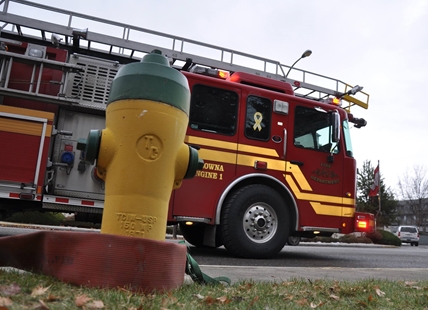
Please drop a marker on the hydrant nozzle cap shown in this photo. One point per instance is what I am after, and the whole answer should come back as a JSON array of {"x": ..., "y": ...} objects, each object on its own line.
[{"x": 155, "y": 57}]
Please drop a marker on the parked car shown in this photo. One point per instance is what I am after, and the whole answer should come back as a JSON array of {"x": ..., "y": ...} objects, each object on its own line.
[{"x": 408, "y": 234}]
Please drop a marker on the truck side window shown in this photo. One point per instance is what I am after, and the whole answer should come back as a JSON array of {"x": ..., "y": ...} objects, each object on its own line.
[
  {"x": 257, "y": 123},
  {"x": 213, "y": 110},
  {"x": 313, "y": 130}
]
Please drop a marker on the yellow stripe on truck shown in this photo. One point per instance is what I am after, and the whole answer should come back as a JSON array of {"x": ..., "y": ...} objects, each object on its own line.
[{"x": 320, "y": 203}]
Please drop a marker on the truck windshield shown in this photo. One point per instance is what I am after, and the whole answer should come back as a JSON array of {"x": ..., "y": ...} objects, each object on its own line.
[{"x": 347, "y": 136}]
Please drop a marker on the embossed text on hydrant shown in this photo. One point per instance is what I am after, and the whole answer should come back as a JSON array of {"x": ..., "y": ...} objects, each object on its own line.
[{"x": 135, "y": 224}]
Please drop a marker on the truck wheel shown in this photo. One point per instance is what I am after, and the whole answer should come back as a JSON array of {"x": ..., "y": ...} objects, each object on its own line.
[
  {"x": 194, "y": 234},
  {"x": 255, "y": 222}
]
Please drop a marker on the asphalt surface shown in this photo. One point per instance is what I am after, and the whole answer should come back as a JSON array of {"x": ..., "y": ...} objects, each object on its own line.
[{"x": 267, "y": 273}]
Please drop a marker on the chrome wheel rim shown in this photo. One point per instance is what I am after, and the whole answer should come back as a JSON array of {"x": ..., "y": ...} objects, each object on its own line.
[{"x": 260, "y": 222}]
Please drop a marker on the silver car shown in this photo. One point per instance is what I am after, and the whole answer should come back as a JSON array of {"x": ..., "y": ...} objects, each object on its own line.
[{"x": 408, "y": 234}]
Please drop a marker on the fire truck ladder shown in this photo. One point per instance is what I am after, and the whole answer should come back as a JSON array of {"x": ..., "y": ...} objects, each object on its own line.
[{"x": 131, "y": 43}]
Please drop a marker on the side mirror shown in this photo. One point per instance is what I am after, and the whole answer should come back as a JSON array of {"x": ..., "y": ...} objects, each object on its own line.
[{"x": 335, "y": 121}]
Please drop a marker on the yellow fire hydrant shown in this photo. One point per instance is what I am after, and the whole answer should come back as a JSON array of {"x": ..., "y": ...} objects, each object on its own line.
[{"x": 141, "y": 154}]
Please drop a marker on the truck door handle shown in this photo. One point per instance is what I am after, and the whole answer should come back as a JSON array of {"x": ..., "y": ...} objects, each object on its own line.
[{"x": 298, "y": 163}]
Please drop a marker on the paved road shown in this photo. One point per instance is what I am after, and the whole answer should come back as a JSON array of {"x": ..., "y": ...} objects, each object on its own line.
[
  {"x": 311, "y": 261},
  {"x": 337, "y": 262}
]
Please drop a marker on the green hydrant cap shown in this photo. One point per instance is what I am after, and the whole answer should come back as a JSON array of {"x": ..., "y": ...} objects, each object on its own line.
[{"x": 151, "y": 79}]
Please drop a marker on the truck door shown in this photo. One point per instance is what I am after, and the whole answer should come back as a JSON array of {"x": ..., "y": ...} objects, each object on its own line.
[
  {"x": 213, "y": 131},
  {"x": 315, "y": 167},
  {"x": 25, "y": 138}
]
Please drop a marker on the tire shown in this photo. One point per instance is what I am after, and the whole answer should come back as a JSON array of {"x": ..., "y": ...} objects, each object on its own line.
[
  {"x": 293, "y": 240},
  {"x": 194, "y": 234},
  {"x": 416, "y": 243},
  {"x": 255, "y": 222}
]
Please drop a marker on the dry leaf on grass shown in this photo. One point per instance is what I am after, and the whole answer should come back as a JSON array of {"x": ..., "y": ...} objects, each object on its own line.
[
  {"x": 10, "y": 290},
  {"x": 5, "y": 302},
  {"x": 209, "y": 300},
  {"x": 81, "y": 300},
  {"x": 42, "y": 305},
  {"x": 302, "y": 302},
  {"x": 169, "y": 300},
  {"x": 334, "y": 297},
  {"x": 314, "y": 305},
  {"x": 198, "y": 296},
  {"x": 39, "y": 290},
  {"x": 96, "y": 304},
  {"x": 408, "y": 283},
  {"x": 253, "y": 301},
  {"x": 223, "y": 300},
  {"x": 380, "y": 293}
]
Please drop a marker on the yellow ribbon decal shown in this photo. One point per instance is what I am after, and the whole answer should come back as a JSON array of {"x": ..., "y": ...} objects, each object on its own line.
[{"x": 258, "y": 117}]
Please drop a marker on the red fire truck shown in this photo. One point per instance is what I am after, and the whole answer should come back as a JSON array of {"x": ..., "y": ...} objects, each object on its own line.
[{"x": 278, "y": 158}]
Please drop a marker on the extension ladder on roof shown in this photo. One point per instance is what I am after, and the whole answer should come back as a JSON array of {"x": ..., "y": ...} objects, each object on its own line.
[{"x": 133, "y": 43}]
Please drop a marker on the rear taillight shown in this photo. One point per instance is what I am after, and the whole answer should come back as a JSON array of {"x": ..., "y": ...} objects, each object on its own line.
[
  {"x": 364, "y": 222},
  {"x": 398, "y": 234}
]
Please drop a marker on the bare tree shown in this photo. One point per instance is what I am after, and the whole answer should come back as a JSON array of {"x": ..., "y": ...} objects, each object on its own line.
[{"x": 414, "y": 194}]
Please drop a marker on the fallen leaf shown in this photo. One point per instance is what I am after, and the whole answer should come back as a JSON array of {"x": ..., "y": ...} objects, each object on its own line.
[
  {"x": 81, "y": 300},
  {"x": 408, "y": 283},
  {"x": 169, "y": 300},
  {"x": 302, "y": 302},
  {"x": 209, "y": 300},
  {"x": 42, "y": 305},
  {"x": 198, "y": 296},
  {"x": 52, "y": 298},
  {"x": 288, "y": 297},
  {"x": 5, "y": 301},
  {"x": 313, "y": 305},
  {"x": 9, "y": 290},
  {"x": 287, "y": 283},
  {"x": 96, "y": 304},
  {"x": 334, "y": 297},
  {"x": 246, "y": 286},
  {"x": 39, "y": 290},
  {"x": 380, "y": 293},
  {"x": 223, "y": 299},
  {"x": 370, "y": 298},
  {"x": 253, "y": 301}
]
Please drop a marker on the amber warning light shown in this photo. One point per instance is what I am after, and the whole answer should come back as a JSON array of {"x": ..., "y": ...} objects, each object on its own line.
[
  {"x": 334, "y": 101},
  {"x": 210, "y": 72}
]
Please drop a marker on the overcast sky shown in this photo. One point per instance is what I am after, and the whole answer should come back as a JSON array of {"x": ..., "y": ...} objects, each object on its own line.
[{"x": 381, "y": 45}]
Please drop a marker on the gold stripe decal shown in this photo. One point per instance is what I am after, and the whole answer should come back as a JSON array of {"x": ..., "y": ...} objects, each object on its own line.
[
  {"x": 23, "y": 127},
  {"x": 257, "y": 150},
  {"x": 297, "y": 182},
  {"x": 316, "y": 197},
  {"x": 231, "y": 146},
  {"x": 321, "y": 209},
  {"x": 211, "y": 142},
  {"x": 223, "y": 157},
  {"x": 298, "y": 175}
]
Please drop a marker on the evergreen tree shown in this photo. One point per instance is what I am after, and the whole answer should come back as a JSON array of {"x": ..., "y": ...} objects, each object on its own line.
[{"x": 387, "y": 215}]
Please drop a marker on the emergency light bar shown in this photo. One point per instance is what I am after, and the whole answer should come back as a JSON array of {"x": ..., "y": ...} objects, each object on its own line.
[
  {"x": 210, "y": 72},
  {"x": 333, "y": 101}
]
